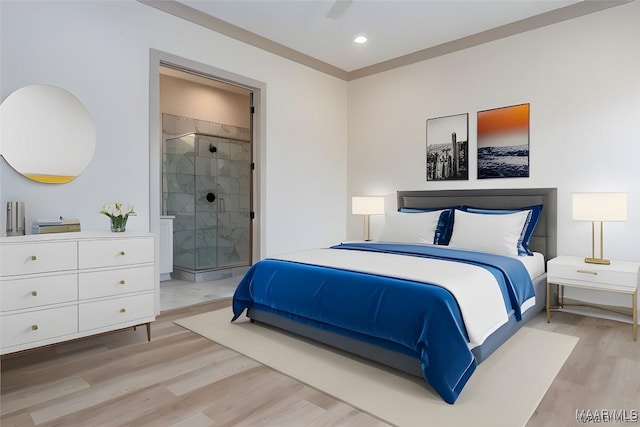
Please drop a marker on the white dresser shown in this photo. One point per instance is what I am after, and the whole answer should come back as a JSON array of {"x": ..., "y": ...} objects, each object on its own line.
[{"x": 57, "y": 287}]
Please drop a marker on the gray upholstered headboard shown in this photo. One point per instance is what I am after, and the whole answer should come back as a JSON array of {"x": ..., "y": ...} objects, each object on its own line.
[{"x": 545, "y": 235}]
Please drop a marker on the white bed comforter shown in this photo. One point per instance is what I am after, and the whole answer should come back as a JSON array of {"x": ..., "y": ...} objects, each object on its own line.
[{"x": 475, "y": 289}]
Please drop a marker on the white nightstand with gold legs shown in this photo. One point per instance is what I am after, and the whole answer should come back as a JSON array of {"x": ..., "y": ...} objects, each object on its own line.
[{"x": 619, "y": 276}]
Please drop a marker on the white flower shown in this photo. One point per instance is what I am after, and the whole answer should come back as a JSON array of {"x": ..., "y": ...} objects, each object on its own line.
[{"x": 115, "y": 209}]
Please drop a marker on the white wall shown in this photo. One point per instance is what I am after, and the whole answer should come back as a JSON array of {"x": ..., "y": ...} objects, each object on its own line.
[
  {"x": 582, "y": 80},
  {"x": 99, "y": 51}
]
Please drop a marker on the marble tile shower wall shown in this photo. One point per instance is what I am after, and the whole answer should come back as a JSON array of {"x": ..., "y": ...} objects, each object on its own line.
[{"x": 207, "y": 234}]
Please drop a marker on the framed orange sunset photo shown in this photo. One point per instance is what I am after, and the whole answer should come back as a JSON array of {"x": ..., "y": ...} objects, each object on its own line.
[{"x": 503, "y": 142}]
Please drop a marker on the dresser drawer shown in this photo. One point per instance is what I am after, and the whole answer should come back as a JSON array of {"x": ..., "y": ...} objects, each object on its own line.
[
  {"x": 115, "y": 282},
  {"x": 115, "y": 252},
  {"x": 38, "y": 325},
  {"x": 38, "y": 291},
  {"x": 597, "y": 276},
  {"x": 100, "y": 314},
  {"x": 27, "y": 258}
]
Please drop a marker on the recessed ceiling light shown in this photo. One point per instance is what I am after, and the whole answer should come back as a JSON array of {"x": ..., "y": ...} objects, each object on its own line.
[{"x": 360, "y": 39}]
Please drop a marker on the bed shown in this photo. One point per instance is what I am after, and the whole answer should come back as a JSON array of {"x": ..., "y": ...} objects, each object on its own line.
[{"x": 432, "y": 303}]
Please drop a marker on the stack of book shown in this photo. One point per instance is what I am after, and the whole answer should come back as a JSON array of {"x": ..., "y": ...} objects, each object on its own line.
[{"x": 62, "y": 225}]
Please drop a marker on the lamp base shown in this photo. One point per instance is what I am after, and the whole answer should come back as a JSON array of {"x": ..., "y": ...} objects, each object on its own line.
[{"x": 597, "y": 261}]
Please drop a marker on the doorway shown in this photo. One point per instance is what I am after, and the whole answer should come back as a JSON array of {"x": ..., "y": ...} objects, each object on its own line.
[{"x": 206, "y": 176}]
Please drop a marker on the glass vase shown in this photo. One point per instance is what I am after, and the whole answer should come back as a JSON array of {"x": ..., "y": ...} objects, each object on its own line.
[{"x": 119, "y": 224}]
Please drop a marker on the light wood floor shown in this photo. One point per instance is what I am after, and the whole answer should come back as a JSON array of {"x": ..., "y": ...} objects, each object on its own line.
[{"x": 182, "y": 379}]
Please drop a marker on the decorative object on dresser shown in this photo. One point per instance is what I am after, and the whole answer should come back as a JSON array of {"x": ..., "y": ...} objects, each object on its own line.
[
  {"x": 62, "y": 225},
  {"x": 62, "y": 286},
  {"x": 617, "y": 276},
  {"x": 118, "y": 213},
  {"x": 599, "y": 207},
  {"x": 15, "y": 219},
  {"x": 367, "y": 205}
]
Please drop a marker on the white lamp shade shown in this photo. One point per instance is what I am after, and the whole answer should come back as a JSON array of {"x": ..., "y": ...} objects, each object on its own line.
[
  {"x": 599, "y": 206},
  {"x": 367, "y": 205}
]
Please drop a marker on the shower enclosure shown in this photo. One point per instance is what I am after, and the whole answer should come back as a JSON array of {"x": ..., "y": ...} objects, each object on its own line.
[{"x": 207, "y": 188}]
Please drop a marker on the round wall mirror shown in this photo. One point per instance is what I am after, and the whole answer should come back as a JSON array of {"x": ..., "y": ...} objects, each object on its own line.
[{"x": 46, "y": 134}]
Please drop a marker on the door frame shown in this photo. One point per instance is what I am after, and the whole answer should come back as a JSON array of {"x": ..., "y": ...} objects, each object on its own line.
[{"x": 258, "y": 90}]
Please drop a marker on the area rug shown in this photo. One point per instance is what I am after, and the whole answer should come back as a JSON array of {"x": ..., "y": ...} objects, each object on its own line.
[{"x": 504, "y": 390}]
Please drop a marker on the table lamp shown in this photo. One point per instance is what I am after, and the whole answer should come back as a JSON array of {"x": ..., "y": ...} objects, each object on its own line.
[
  {"x": 599, "y": 207},
  {"x": 367, "y": 205}
]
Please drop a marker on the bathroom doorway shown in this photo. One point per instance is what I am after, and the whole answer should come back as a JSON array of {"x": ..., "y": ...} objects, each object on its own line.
[{"x": 207, "y": 180}]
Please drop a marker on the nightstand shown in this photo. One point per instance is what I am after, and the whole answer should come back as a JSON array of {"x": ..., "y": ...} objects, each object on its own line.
[{"x": 619, "y": 276}]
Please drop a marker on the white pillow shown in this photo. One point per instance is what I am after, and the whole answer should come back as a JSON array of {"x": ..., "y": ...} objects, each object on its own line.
[
  {"x": 498, "y": 234},
  {"x": 414, "y": 227}
]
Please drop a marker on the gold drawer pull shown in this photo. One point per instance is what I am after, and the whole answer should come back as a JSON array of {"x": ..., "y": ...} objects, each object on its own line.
[
  {"x": 122, "y": 310},
  {"x": 122, "y": 282},
  {"x": 33, "y": 258},
  {"x": 122, "y": 253},
  {"x": 34, "y": 327},
  {"x": 34, "y": 293},
  {"x": 595, "y": 273}
]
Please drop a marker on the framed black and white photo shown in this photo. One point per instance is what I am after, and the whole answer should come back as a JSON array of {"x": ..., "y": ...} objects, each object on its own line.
[
  {"x": 448, "y": 148},
  {"x": 503, "y": 142}
]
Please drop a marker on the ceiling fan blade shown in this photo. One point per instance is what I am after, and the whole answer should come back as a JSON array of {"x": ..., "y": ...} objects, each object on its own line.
[{"x": 338, "y": 8}]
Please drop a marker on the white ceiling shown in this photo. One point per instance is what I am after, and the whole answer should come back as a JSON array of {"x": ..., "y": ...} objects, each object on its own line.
[{"x": 394, "y": 27}]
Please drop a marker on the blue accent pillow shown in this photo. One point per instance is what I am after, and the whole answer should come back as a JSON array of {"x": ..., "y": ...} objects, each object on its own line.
[
  {"x": 444, "y": 228},
  {"x": 529, "y": 225}
]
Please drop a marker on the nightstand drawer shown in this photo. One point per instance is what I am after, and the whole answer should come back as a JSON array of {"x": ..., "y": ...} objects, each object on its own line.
[
  {"x": 38, "y": 291},
  {"x": 38, "y": 325},
  {"x": 115, "y": 252},
  {"x": 596, "y": 276},
  {"x": 115, "y": 282},
  {"x": 28, "y": 258}
]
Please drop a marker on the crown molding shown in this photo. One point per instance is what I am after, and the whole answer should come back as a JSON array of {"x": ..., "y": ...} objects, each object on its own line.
[{"x": 195, "y": 16}]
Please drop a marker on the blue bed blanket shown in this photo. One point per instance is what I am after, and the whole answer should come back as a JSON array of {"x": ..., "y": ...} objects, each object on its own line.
[{"x": 423, "y": 320}]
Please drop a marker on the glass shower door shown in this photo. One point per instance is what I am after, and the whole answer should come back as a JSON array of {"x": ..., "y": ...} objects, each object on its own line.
[
  {"x": 234, "y": 195},
  {"x": 178, "y": 197},
  {"x": 207, "y": 187}
]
